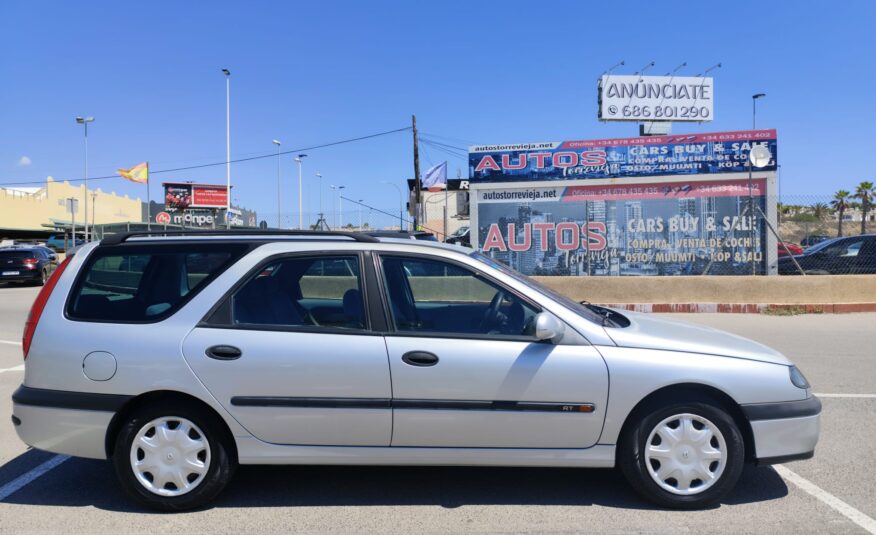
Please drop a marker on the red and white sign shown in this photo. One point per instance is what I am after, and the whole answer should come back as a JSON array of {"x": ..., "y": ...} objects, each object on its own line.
[
  {"x": 204, "y": 196},
  {"x": 184, "y": 195},
  {"x": 162, "y": 218}
]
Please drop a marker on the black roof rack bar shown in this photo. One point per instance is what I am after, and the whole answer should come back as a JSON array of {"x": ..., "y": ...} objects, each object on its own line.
[{"x": 115, "y": 239}]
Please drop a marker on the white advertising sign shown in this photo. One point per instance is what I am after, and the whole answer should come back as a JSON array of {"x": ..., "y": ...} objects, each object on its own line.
[{"x": 656, "y": 98}]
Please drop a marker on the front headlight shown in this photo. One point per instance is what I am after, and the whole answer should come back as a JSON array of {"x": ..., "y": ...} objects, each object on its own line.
[{"x": 797, "y": 378}]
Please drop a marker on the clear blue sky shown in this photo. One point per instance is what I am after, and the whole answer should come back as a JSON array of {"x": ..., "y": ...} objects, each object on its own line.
[{"x": 475, "y": 72}]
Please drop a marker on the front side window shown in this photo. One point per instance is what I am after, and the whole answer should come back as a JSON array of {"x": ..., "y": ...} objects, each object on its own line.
[
  {"x": 434, "y": 296},
  {"x": 144, "y": 285},
  {"x": 844, "y": 248},
  {"x": 303, "y": 292}
]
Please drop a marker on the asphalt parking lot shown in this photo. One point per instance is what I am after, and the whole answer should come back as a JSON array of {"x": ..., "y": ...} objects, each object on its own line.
[{"x": 834, "y": 492}]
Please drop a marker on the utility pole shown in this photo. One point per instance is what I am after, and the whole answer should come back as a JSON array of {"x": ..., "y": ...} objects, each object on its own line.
[{"x": 417, "y": 221}]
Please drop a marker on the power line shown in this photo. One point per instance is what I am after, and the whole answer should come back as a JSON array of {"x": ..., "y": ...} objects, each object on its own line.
[
  {"x": 445, "y": 145},
  {"x": 445, "y": 151},
  {"x": 408, "y": 221},
  {"x": 189, "y": 168}
]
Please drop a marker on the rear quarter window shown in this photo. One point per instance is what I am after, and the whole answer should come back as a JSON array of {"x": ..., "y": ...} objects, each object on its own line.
[{"x": 145, "y": 284}]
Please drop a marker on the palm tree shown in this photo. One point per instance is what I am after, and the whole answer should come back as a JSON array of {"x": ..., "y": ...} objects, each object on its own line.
[
  {"x": 865, "y": 192},
  {"x": 819, "y": 209},
  {"x": 840, "y": 203}
]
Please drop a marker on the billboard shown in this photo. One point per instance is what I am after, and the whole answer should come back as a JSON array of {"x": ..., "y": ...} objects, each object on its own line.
[
  {"x": 656, "y": 98},
  {"x": 682, "y": 154},
  {"x": 682, "y": 227},
  {"x": 183, "y": 196}
]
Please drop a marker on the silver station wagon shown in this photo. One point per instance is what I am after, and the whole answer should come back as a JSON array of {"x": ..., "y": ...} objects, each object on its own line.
[{"x": 178, "y": 357}]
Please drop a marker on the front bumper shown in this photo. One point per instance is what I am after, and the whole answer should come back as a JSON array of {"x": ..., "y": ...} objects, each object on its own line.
[{"x": 785, "y": 431}]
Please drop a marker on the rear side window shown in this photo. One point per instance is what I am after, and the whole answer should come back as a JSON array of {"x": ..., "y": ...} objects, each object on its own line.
[
  {"x": 313, "y": 292},
  {"x": 144, "y": 285}
]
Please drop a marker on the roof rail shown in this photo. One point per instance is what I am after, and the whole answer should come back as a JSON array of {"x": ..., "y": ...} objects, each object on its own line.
[{"x": 115, "y": 239}]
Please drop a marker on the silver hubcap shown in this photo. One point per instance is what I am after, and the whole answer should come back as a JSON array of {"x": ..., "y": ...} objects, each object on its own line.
[
  {"x": 685, "y": 454},
  {"x": 170, "y": 456}
]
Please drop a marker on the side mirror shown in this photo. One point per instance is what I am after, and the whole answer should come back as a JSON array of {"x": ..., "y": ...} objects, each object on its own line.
[{"x": 548, "y": 327}]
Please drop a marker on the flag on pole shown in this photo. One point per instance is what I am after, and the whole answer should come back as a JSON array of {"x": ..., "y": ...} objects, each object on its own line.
[
  {"x": 435, "y": 176},
  {"x": 139, "y": 173}
]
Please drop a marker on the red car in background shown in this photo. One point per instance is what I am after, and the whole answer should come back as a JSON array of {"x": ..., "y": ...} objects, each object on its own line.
[{"x": 793, "y": 247}]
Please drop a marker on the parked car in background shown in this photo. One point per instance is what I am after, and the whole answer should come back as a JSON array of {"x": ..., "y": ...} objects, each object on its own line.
[
  {"x": 792, "y": 247},
  {"x": 57, "y": 243},
  {"x": 33, "y": 264},
  {"x": 813, "y": 239},
  {"x": 838, "y": 256},
  {"x": 184, "y": 356},
  {"x": 462, "y": 236}
]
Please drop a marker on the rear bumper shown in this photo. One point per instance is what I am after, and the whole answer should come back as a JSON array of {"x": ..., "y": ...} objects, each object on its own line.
[
  {"x": 68, "y": 431},
  {"x": 784, "y": 431},
  {"x": 72, "y": 423},
  {"x": 24, "y": 275}
]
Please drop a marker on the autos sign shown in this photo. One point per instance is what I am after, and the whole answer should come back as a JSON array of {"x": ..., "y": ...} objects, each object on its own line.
[
  {"x": 664, "y": 228},
  {"x": 683, "y": 154},
  {"x": 656, "y": 98}
]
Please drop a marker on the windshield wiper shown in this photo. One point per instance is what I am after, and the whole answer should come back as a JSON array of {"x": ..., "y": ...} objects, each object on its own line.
[{"x": 602, "y": 312}]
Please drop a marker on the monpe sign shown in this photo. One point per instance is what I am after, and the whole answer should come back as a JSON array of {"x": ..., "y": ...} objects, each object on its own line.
[{"x": 656, "y": 98}]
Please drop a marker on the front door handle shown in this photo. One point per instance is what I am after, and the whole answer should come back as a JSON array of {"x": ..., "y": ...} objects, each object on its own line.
[
  {"x": 223, "y": 352},
  {"x": 420, "y": 358}
]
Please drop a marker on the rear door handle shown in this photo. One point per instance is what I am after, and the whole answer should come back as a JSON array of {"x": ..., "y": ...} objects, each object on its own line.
[
  {"x": 223, "y": 352},
  {"x": 420, "y": 358}
]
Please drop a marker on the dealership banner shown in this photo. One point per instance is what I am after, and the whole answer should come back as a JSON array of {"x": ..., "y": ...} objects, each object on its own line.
[
  {"x": 669, "y": 228},
  {"x": 682, "y": 154}
]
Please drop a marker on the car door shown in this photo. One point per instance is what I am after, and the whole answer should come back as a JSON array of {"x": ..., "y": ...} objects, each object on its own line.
[
  {"x": 467, "y": 370},
  {"x": 289, "y": 353},
  {"x": 865, "y": 261}
]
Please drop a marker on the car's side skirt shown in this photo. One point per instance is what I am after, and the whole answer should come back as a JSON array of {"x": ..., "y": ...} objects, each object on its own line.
[{"x": 253, "y": 451}]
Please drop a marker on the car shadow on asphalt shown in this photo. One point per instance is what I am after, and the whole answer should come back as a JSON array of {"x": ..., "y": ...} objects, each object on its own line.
[{"x": 83, "y": 482}]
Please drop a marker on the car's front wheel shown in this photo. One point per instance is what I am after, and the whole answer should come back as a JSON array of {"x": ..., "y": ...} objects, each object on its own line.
[
  {"x": 172, "y": 458},
  {"x": 686, "y": 455}
]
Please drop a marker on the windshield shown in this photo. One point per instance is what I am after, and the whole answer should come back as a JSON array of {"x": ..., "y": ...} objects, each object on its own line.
[{"x": 578, "y": 308}]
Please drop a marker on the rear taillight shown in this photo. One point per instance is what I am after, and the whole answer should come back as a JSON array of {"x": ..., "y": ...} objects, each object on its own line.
[
  {"x": 30, "y": 262},
  {"x": 36, "y": 310}
]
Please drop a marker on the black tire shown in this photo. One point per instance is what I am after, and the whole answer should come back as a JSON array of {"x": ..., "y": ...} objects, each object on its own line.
[
  {"x": 221, "y": 468},
  {"x": 631, "y": 458},
  {"x": 44, "y": 276}
]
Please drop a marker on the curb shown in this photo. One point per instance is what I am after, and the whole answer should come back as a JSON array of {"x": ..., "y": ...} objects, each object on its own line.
[{"x": 747, "y": 308}]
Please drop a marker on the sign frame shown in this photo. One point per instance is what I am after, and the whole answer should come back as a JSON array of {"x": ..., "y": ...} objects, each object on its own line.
[{"x": 640, "y": 98}]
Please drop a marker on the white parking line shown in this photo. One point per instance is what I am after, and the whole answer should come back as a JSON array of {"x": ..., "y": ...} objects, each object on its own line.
[
  {"x": 18, "y": 483},
  {"x": 866, "y": 396},
  {"x": 10, "y": 342},
  {"x": 19, "y": 368},
  {"x": 827, "y": 498}
]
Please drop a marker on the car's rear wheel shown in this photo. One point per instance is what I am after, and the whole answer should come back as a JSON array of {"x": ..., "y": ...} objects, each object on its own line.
[
  {"x": 686, "y": 455},
  {"x": 172, "y": 458},
  {"x": 44, "y": 276}
]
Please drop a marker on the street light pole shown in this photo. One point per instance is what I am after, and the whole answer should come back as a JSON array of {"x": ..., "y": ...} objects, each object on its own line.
[
  {"x": 400, "y": 203},
  {"x": 319, "y": 176},
  {"x": 227, "y": 74},
  {"x": 360, "y": 213},
  {"x": 751, "y": 217},
  {"x": 84, "y": 121},
  {"x": 279, "y": 220},
  {"x": 300, "y": 193},
  {"x": 339, "y": 217}
]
